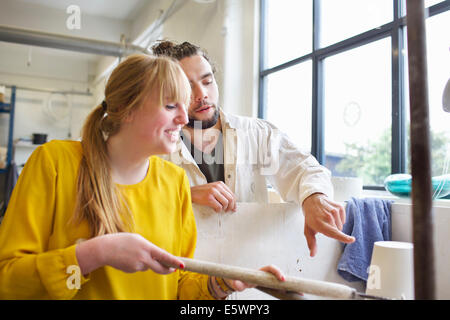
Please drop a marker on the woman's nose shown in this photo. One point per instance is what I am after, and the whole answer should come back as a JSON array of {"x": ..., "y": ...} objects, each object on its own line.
[{"x": 182, "y": 117}]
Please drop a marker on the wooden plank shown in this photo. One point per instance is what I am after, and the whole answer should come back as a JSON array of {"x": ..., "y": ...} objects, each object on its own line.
[{"x": 262, "y": 234}]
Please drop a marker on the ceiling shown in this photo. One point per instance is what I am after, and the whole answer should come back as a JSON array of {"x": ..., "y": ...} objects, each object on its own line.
[
  {"x": 116, "y": 16},
  {"x": 116, "y": 9},
  {"x": 123, "y": 10}
]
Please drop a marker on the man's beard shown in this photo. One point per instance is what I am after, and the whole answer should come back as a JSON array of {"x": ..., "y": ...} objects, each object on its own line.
[{"x": 205, "y": 124}]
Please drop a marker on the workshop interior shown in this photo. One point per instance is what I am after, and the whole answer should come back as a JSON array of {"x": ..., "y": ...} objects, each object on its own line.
[{"x": 362, "y": 86}]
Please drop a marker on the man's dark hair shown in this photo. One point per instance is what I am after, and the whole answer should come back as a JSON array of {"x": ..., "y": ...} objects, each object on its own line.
[{"x": 180, "y": 51}]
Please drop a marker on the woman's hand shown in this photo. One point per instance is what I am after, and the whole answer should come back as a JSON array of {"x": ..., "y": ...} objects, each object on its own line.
[
  {"x": 129, "y": 252},
  {"x": 238, "y": 285},
  {"x": 221, "y": 288}
]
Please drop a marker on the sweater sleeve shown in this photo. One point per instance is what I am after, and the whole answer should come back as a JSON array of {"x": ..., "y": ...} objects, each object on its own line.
[
  {"x": 28, "y": 270},
  {"x": 191, "y": 286}
]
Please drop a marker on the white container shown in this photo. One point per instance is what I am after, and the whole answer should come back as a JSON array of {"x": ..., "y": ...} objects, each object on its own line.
[
  {"x": 346, "y": 187},
  {"x": 2, "y": 94},
  {"x": 391, "y": 271},
  {"x": 3, "y": 154}
]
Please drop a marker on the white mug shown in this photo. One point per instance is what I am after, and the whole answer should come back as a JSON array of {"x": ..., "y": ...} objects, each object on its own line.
[
  {"x": 391, "y": 271},
  {"x": 346, "y": 187}
]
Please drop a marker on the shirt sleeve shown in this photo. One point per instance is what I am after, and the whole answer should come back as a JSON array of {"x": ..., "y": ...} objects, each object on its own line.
[
  {"x": 295, "y": 174},
  {"x": 191, "y": 286},
  {"x": 28, "y": 270}
]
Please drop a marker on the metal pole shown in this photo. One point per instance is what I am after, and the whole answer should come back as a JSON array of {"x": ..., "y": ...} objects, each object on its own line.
[
  {"x": 9, "y": 156},
  {"x": 424, "y": 271},
  {"x": 72, "y": 92},
  {"x": 58, "y": 41}
]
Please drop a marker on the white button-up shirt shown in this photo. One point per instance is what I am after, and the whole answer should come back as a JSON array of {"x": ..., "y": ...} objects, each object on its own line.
[{"x": 256, "y": 154}]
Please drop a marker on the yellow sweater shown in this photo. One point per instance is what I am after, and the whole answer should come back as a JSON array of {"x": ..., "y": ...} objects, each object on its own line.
[{"x": 37, "y": 245}]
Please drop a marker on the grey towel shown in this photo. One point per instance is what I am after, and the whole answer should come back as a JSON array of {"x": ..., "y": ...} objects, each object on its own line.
[{"x": 368, "y": 220}]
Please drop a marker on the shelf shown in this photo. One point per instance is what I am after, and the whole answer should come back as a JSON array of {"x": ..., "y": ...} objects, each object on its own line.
[
  {"x": 9, "y": 108},
  {"x": 5, "y": 107},
  {"x": 22, "y": 144}
]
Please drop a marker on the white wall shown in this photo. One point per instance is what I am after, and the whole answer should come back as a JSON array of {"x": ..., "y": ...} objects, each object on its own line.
[
  {"x": 241, "y": 57},
  {"x": 200, "y": 24},
  {"x": 32, "y": 108},
  {"x": 402, "y": 231},
  {"x": 228, "y": 30},
  {"x": 46, "y": 19}
]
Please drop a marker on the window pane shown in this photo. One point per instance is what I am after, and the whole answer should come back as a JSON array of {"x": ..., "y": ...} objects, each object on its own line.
[
  {"x": 438, "y": 56},
  {"x": 357, "y": 100},
  {"x": 429, "y": 3},
  {"x": 289, "y": 30},
  {"x": 343, "y": 19},
  {"x": 289, "y": 102}
]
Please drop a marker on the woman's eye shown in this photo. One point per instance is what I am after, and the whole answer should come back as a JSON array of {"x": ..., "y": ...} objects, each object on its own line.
[{"x": 171, "y": 106}]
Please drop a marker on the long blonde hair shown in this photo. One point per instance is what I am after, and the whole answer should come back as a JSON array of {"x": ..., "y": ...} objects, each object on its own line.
[{"x": 98, "y": 199}]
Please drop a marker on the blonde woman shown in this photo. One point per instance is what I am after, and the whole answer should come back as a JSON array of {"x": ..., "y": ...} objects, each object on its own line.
[{"x": 101, "y": 218}]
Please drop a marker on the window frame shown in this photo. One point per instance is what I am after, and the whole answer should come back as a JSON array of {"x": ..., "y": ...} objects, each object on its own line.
[{"x": 393, "y": 29}]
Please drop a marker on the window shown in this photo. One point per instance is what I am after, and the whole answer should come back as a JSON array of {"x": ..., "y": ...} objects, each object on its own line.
[
  {"x": 357, "y": 108},
  {"x": 429, "y": 3},
  {"x": 438, "y": 57},
  {"x": 354, "y": 55},
  {"x": 343, "y": 19},
  {"x": 289, "y": 102},
  {"x": 288, "y": 43}
]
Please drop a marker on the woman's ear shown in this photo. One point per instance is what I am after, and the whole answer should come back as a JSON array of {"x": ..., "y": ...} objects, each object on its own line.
[{"x": 129, "y": 117}]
